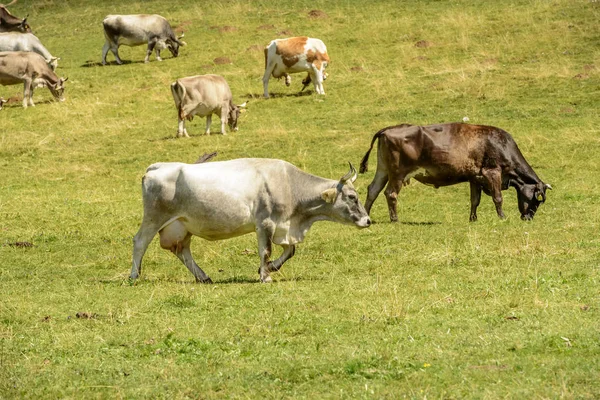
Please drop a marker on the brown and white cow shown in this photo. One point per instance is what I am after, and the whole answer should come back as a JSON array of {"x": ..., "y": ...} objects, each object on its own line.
[
  {"x": 137, "y": 30},
  {"x": 297, "y": 54},
  {"x": 204, "y": 95},
  {"x": 32, "y": 70},
  {"x": 446, "y": 154},
  {"x": 10, "y": 23}
]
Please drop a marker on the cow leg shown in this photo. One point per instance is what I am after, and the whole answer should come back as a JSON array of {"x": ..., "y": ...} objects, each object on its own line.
[
  {"x": 26, "y": 92},
  {"x": 268, "y": 72},
  {"x": 176, "y": 238},
  {"x": 224, "y": 117},
  {"x": 151, "y": 44},
  {"x": 208, "y": 122},
  {"x": 141, "y": 241},
  {"x": 157, "y": 51},
  {"x": 264, "y": 235},
  {"x": 288, "y": 79},
  {"x": 105, "y": 52},
  {"x": 317, "y": 78},
  {"x": 494, "y": 179},
  {"x": 475, "y": 199},
  {"x": 181, "y": 131},
  {"x": 379, "y": 181},
  {"x": 391, "y": 195},
  {"x": 185, "y": 255},
  {"x": 288, "y": 252}
]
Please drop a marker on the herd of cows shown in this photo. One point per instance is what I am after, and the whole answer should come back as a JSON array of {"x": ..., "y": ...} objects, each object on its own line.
[{"x": 275, "y": 199}]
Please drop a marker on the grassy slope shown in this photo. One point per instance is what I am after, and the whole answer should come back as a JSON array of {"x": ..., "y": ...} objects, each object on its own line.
[{"x": 430, "y": 307}]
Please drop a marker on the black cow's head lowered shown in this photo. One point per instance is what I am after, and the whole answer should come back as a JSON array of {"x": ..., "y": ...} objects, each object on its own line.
[{"x": 530, "y": 197}]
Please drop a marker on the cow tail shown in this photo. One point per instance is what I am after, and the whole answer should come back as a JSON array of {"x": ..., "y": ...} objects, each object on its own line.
[
  {"x": 178, "y": 92},
  {"x": 364, "y": 163}
]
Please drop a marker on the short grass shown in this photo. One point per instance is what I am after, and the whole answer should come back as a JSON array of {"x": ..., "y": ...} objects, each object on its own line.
[{"x": 431, "y": 307}]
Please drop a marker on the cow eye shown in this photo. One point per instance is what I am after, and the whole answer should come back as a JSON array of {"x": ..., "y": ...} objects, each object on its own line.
[{"x": 352, "y": 197}]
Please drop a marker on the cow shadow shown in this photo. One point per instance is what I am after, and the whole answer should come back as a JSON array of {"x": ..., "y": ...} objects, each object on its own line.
[
  {"x": 192, "y": 135},
  {"x": 89, "y": 63},
  {"x": 274, "y": 95}
]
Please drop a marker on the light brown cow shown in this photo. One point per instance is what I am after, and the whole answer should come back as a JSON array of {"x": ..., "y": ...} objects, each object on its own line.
[
  {"x": 32, "y": 70},
  {"x": 297, "y": 54}
]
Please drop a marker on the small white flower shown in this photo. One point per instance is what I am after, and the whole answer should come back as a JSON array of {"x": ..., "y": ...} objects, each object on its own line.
[{"x": 465, "y": 119}]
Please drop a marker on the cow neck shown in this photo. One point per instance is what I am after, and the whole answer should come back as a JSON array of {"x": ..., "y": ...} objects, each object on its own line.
[{"x": 310, "y": 207}]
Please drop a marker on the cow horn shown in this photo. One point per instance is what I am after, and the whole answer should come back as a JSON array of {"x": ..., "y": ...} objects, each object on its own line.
[
  {"x": 548, "y": 186},
  {"x": 11, "y": 3},
  {"x": 350, "y": 176},
  {"x": 243, "y": 105}
]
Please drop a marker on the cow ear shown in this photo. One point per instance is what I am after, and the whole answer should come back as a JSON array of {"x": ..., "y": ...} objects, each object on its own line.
[{"x": 329, "y": 195}]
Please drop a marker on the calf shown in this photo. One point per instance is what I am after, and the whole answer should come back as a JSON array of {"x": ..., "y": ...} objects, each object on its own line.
[
  {"x": 297, "y": 54},
  {"x": 221, "y": 200},
  {"x": 31, "y": 70},
  {"x": 137, "y": 30},
  {"x": 10, "y": 23},
  {"x": 27, "y": 42},
  {"x": 446, "y": 154},
  {"x": 204, "y": 95}
]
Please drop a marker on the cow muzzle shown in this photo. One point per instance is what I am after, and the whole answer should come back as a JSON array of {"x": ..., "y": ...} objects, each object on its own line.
[{"x": 364, "y": 222}]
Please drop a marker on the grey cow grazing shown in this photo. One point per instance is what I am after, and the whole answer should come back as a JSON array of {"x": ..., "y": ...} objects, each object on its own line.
[
  {"x": 137, "y": 30},
  {"x": 31, "y": 70},
  {"x": 10, "y": 23},
  {"x": 14, "y": 41},
  {"x": 221, "y": 200},
  {"x": 204, "y": 95}
]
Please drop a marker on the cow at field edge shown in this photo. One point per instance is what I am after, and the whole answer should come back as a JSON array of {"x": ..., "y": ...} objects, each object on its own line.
[
  {"x": 204, "y": 95},
  {"x": 10, "y": 23},
  {"x": 446, "y": 154},
  {"x": 221, "y": 200},
  {"x": 31, "y": 70},
  {"x": 13, "y": 41},
  {"x": 137, "y": 30},
  {"x": 2, "y": 101},
  {"x": 297, "y": 54}
]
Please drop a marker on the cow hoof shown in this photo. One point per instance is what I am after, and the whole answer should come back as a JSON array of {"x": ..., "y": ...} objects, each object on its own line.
[
  {"x": 268, "y": 279},
  {"x": 206, "y": 281}
]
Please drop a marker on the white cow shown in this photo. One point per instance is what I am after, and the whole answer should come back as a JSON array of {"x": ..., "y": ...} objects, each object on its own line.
[
  {"x": 221, "y": 200},
  {"x": 137, "y": 30},
  {"x": 204, "y": 95},
  {"x": 31, "y": 70},
  {"x": 297, "y": 54},
  {"x": 12, "y": 41}
]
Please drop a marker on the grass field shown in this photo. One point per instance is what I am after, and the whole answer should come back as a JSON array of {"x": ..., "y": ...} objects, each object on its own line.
[{"x": 430, "y": 307}]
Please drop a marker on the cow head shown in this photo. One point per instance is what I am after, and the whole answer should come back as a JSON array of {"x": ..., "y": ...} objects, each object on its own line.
[
  {"x": 530, "y": 197},
  {"x": 173, "y": 45},
  {"x": 24, "y": 26},
  {"x": 58, "y": 89},
  {"x": 343, "y": 198},
  {"x": 234, "y": 115},
  {"x": 2, "y": 101},
  {"x": 53, "y": 63}
]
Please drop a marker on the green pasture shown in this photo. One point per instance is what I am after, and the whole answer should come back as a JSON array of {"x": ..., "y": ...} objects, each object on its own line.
[{"x": 430, "y": 307}]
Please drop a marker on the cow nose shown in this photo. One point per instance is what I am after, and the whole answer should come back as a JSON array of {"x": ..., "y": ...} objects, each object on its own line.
[{"x": 368, "y": 221}]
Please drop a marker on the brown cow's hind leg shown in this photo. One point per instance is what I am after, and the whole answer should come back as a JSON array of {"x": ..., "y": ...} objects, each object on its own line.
[
  {"x": 375, "y": 187},
  {"x": 494, "y": 178},
  {"x": 475, "y": 199}
]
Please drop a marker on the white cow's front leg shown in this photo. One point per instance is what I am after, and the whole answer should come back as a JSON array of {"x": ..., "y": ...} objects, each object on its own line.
[
  {"x": 208, "y": 121},
  {"x": 224, "y": 116},
  {"x": 268, "y": 72},
  {"x": 264, "y": 233},
  {"x": 181, "y": 131},
  {"x": 288, "y": 252},
  {"x": 317, "y": 78}
]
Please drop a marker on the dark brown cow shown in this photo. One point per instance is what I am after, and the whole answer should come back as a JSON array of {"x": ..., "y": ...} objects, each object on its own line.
[
  {"x": 10, "y": 23},
  {"x": 446, "y": 154}
]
